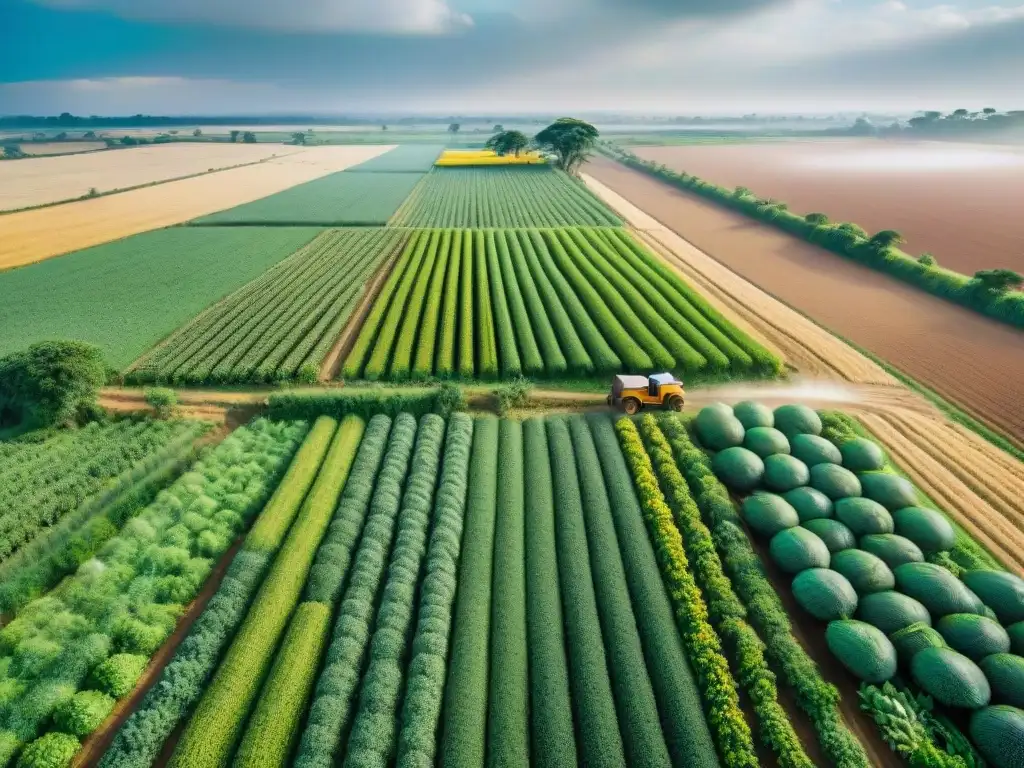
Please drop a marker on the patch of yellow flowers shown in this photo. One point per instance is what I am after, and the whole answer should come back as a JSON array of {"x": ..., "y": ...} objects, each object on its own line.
[{"x": 464, "y": 157}]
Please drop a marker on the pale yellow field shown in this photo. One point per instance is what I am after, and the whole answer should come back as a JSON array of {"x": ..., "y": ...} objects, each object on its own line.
[
  {"x": 41, "y": 180},
  {"x": 60, "y": 147},
  {"x": 41, "y": 234}
]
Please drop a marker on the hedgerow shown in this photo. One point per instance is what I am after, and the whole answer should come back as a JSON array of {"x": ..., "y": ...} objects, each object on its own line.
[
  {"x": 464, "y": 727},
  {"x": 487, "y": 345},
  {"x": 375, "y": 727},
  {"x": 682, "y": 719},
  {"x": 337, "y": 684},
  {"x": 818, "y": 698},
  {"x": 467, "y": 320},
  {"x": 533, "y": 362},
  {"x": 508, "y": 728},
  {"x": 727, "y": 613},
  {"x": 718, "y": 689},
  {"x": 421, "y": 709},
  {"x": 553, "y": 742},
  {"x": 593, "y": 701},
  {"x": 367, "y": 402},
  {"x": 511, "y": 364},
  {"x": 642, "y": 737},
  {"x": 423, "y": 363},
  {"x": 444, "y": 367},
  {"x": 217, "y": 723},
  {"x": 405, "y": 344}
]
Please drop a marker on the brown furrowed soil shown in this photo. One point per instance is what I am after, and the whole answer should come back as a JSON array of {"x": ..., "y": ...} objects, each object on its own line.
[
  {"x": 973, "y": 361},
  {"x": 961, "y": 202},
  {"x": 32, "y": 236}
]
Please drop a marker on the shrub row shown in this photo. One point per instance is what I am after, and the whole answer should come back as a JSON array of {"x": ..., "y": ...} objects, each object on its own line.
[
  {"x": 508, "y": 727},
  {"x": 464, "y": 730},
  {"x": 600, "y": 743},
  {"x": 421, "y": 710},
  {"x": 682, "y": 719},
  {"x": 553, "y": 741},
  {"x": 375, "y": 728},
  {"x": 366, "y": 403},
  {"x": 718, "y": 689},
  {"x": 846, "y": 240},
  {"x": 532, "y": 361},
  {"x": 220, "y": 716},
  {"x": 642, "y": 738},
  {"x": 727, "y": 613},
  {"x": 818, "y": 698},
  {"x": 337, "y": 684}
]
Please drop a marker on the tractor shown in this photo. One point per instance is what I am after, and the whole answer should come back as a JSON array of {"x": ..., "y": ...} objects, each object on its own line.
[{"x": 631, "y": 393}]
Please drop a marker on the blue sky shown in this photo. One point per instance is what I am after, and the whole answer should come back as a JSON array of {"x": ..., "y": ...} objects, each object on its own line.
[{"x": 501, "y": 56}]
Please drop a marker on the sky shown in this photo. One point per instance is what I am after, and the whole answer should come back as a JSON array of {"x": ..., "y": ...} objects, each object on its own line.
[{"x": 678, "y": 57}]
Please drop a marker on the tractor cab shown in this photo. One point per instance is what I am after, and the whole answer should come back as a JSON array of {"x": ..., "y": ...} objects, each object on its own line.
[{"x": 631, "y": 393}]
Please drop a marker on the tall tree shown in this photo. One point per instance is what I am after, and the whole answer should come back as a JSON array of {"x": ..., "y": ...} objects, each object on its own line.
[
  {"x": 234, "y": 136},
  {"x": 50, "y": 383},
  {"x": 248, "y": 137},
  {"x": 508, "y": 142},
  {"x": 571, "y": 140},
  {"x": 454, "y": 128}
]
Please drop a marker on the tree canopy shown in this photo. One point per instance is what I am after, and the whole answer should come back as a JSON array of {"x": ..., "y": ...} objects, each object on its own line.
[
  {"x": 570, "y": 139},
  {"x": 508, "y": 142},
  {"x": 50, "y": 383},
  {"x": 997, "y": 280}
]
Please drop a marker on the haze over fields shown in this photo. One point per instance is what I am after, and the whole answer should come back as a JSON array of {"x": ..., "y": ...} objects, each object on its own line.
[{"x": 331, "y": 56}]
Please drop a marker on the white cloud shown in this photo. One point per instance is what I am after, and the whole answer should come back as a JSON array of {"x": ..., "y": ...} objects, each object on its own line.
[{"x": 375, "y": 16}]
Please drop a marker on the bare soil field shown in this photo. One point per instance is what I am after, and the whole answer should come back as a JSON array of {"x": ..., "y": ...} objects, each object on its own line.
[
  {"x": 60, "y": 147},
  {"x": 960, "y": 202},
  {"x": 42, "y": 180},
  {"x": 971, "y": 360},
  {"x": 32, "y": 236}
]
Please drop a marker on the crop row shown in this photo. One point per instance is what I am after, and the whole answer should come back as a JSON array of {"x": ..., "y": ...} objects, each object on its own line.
[
  {"x": 281, "y": 325},
  {"x": 521, "y": 196},
  {"x": 503, "y": 303}
]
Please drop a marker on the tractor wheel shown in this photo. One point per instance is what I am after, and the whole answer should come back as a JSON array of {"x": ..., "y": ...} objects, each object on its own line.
[
  {"x": 631, "y": 405},
  {"x": 675, "y": 403}
]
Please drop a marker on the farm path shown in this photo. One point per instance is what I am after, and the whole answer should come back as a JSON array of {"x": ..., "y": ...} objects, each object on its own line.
[{"x": 967, "y": 358}]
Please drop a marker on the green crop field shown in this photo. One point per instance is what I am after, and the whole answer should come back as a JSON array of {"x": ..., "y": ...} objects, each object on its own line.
[
  {"x": 528, "y": 196},
  {"x": 405, "y": 158},
  {"x": 543, "y": 302},
  {"x": 340, "y": 199},
  {"x": 282, "y": 324},
  {"x": 127, "y": 295}
]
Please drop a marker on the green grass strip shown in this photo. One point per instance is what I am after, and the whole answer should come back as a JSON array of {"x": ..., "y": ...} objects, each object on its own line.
[
  {"x": 533, "y": 363},
  {"x": 464, "y": 729},
  {"x": 593, "y": 701},
  {"x": 444, "y": 366},
  {"x": 486, "y": 340},
  {"x": 467, "y": 321},
  {"x": 511, "y": 364},
  {"x": 553, "y": 740}
]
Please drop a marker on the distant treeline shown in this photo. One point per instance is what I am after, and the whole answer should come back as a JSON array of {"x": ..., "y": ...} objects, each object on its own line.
[
  {"x": 67, "y": 120},
  {"x": 960, "y": 122}
]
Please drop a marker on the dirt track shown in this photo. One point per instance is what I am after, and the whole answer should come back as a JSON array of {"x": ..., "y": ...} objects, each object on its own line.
[
  {"x": 975, "y": 362},
  {"x": 960, "y": 202}
]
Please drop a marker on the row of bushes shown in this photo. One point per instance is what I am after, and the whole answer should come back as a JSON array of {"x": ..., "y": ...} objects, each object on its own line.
[
  {"x": 985, "y": 292},
  {"x": 718, "y": 688},
  {"x": 727, "y": 613},
  {"x": 442, "y": 400},
  {"x": 818, "y": 698}
]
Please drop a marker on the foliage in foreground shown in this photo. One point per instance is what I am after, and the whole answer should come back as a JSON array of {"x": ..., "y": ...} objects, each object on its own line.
[{"x": 50, "y": 383}]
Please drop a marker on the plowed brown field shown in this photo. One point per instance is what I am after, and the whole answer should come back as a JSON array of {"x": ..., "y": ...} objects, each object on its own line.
[
  {"x": 975, "y": 362},
  {"x": 40, "y": 234},
  {"x": 961, "y": 202}
]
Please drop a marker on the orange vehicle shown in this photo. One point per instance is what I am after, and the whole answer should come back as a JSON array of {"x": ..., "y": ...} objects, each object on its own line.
[{"x": 631, "y": 393}]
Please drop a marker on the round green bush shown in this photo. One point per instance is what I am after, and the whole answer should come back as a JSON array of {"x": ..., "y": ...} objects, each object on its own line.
[
  {"x": 929, "y": 529},
  {"x": 937, "y": 589},
  {"x": 812, "y": 449},
  {"x": 1005, "y": 673},
  {"x": 836, "y": 536},
  {"x": 834, "y": 481},
  {"x": 54, "y": 750},
  {"x": 892, "y": 611},
  {"x": 768, "y": 514},
  {"x": 740, "y": 469},
  {"x": 1001, "y": 591},
  {"x": 797, "y": 420},
  {"x": 909, "y": 641},
  {"x": 765, "y": 441},
  {"x": 797, "y": 549},
  {"x": 864, "y": 571},
  {"x": 892, "y": 549},
  {"x": 809, "y": 503},
  {"x": 891, "y": 491},
  {"x": 752, "y": 415},
  {"x": 717, "y": 428},
  {"x": 950, "y": 678},
  {"x": 784, "y": 473},
  {"x": 998, "y": 733},
  {"x": 1016, "y": 633},
  {"x": 83, "y": 713},
  {"x": 825, "y": 594},
  {"x": 118, "y": 674},
  {"x": 972, "y": 635},
  {"x": 862, "y": 649},
  {"x": 862, "y": 455},
  {"x": 863, "y": 516}
]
